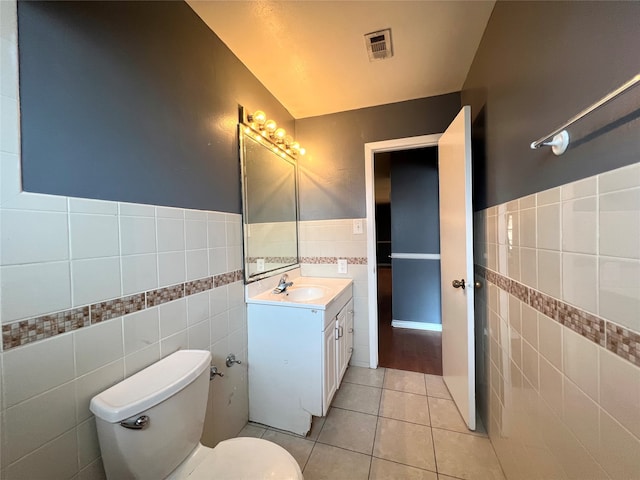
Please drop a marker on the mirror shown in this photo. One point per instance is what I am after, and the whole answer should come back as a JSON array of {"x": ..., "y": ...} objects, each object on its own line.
[{"x": 270, "y": 207}]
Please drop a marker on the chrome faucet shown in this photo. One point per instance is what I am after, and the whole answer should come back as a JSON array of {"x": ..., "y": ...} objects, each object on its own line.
[{"x": 283, "y": 285}]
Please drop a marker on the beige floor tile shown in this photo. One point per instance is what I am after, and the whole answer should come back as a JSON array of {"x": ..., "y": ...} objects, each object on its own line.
[
  {"x": 359, "y": 398},
  {"x": 298, "y": 447},
  {"x": 331, "y": 463},
  {"x": 405, "y": 443},
  {"x": 411, "y": 382},
  {"x": 436, "y": 386},
  {"x": 351, "y": 430},
  {"x": 372, "y": 377},
  {"x": 251, "y": 430},
  {"x": 385, "y": 470},
  {"x": 445, "y": 414},
  {"x": 466, "y": 456},
  {"x": 446, "y": 477},
  {"x": 404, "y": 406},
  {"x": 316, "y": 427}
]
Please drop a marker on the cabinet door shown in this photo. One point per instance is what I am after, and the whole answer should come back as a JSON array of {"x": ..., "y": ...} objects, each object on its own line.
[
  {"x": 348, "y": 332},
  {"x": 341, "y": 353},
  {"x": 330, "y": 383}
]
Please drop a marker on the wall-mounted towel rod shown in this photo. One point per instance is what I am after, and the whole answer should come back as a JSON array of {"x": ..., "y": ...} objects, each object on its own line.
[{"x": 558, "y": 140}]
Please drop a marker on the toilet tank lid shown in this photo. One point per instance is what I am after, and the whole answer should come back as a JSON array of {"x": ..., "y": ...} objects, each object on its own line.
[{"x": 150, "y": 386}]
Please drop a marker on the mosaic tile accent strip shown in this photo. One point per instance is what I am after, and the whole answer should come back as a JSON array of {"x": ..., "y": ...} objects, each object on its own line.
[
  {"x": 333, "y": 260},
  {"x": 23, "y": 332},
  {"x": 116, "y": 308},
  {"x": 32, "y": 330},
  {"x": 581, "y": 322},
  {"x": 197, "y": 286},
  {"x": 164, "y": 295},
  {"x": 285, "y": 260},
  {"x": 623, "y": 342}
]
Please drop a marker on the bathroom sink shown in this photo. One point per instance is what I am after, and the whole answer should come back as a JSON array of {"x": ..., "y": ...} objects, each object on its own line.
[{"x": 306, "y": 293}]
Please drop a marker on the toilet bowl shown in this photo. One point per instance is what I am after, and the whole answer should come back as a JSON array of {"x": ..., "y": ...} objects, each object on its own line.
[{"x": 149, "y": 428}]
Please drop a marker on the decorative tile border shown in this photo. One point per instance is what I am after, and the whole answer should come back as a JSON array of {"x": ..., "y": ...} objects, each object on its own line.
[
  {"x": 333, "y": 260},
  {"x": 23, "y": 332},
  {"x": 617, "y": 339},
  {"x": 285, "y": 260}
]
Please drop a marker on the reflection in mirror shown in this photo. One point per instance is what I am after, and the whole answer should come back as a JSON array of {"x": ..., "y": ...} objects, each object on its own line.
[{"x": 269, "y": 208}]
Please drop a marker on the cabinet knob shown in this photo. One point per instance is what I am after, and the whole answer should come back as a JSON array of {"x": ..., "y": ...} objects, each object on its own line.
[{"x": 351, "y": 330}]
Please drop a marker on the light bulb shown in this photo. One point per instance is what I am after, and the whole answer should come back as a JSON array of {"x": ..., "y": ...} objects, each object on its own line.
[
  {"x": 280, "y": 134},
  {"x": 270, "y": 126},
  {"x": 259, "y": 117},
  {"x": 302, "y": 151},
  {"x": 288, "y": 140},
  {"x": 295, "y": 146}
]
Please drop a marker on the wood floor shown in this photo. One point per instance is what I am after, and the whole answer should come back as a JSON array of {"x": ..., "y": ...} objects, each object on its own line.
[{"x": 402, "y": 348}]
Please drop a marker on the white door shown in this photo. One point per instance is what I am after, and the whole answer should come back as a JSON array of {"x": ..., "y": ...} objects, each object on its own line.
[{"x": 456, "y": 253}]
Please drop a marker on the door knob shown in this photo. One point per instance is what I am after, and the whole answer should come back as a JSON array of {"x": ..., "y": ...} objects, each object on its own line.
[{"x": 458, "y": 284}]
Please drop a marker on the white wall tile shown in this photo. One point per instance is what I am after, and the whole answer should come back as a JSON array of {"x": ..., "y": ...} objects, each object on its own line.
[
  {"x": 581, "y": 188},
  {"x": 550, "y": 337},
  {"x": 234, "y": 231},
  {"x": 551, "y": 386},
  {"x": 530, "y": 325},
  {"x": 10, "y": 183},
  {"x": 137, "y": 235},
  {"x": 527, "y": 202},
  {"x": 219, "y": 327},
  {"x": 218, "y": 300},
  {"x": 548, "y": 196},
  {"x": 618, "y": 449},
  {"x": 580, "y": 225},
  {"x": 580, "y": 281},
  {"x": 88, "y": 446},
  {"x": 174, "y": 343},
  {"x": 139, "y": 273},
  {"x": 9, "y": 133},
  {"x": 23, "y": 235},
  {"x": 56, "y": 459},
  {"x": 200, "y": 215},
  {"x": 619, "y": 179},
  {"x": 98, "y": 345},
  {"x": 170, "y": 234},
  {"x": 529, "y": 267},
  {"x": 620, "y": 224},
  {"x": 620, "y": 390},
  {"x": 37, "y": 421},
  {"x": 196, "y": 234},
  {"x": 548, "y": 222},
  {"x": 142, "y": 359},
  {"x": 95, "y": 280},
  {"x": 198, "y": 308},
  {"x": 141, "y": 329},
  {"x": 36, "y": 201},
  {"x": 581, "y": 415},
  {"x": 530, "y": 364},
  {"x": 36, "y": 368},
  {"x": 217, "y": 234},
  {"x": 550, "y": 273},
  {"x": 8, "y": 67},
  {"x": 169, "y": 212},
  {"x": 580, "y": 362},
  {"x": 91, "y": 384},
  {"x": 86, "y": 205},
  {"x": 234, "y": 258},
  {"x": 173, "y": 317},
  {"x": 136, "y": 210},
  {"x": 217, "y": 261},
  {"x": 197, "y": 264},
  {"x": 30, "y": 290},
  {"x": 171, "y": 268},
  {"x": 528, "y": 228},
  {"x": 620, "y": 291},
  {"x": 198, "y": 335},
  {"x": 93, "y": 236}
]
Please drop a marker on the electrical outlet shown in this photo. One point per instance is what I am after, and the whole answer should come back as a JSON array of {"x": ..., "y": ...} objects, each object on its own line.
[
  {"x": 260, "y": 265},
  {"x": 342, "y": 265},
  {"x": 357, "y": 226}
]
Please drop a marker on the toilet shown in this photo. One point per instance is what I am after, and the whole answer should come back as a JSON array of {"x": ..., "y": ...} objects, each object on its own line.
[{"x": 149, "y": 428}]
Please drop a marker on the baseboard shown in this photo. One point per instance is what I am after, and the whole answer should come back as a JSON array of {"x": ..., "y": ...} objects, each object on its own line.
[{"x": 433, "y": 327}]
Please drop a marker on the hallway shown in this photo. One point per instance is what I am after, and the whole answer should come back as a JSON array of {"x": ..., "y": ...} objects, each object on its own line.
[
  {"x": 402, "y": 348},
  {"x": 389, "y": 424}
]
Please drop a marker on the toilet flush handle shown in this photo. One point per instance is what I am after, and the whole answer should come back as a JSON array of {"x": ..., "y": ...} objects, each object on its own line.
[
  {"x": 213, "y": 372},
  {"x": 136, "y": 423}
]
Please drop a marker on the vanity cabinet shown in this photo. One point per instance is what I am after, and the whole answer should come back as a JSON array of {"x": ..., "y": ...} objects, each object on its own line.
[{"x": 297, "y": 356}]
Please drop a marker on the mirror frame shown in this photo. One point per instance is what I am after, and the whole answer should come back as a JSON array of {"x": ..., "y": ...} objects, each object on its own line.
[{"x": 282, "y": 156}]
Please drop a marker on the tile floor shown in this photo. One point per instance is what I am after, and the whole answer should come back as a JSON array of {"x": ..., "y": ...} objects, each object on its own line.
[{"x": 389, "y": 424}]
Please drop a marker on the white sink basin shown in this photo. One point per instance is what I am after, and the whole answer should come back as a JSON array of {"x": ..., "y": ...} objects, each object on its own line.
[{"x": 306, "y": 293}]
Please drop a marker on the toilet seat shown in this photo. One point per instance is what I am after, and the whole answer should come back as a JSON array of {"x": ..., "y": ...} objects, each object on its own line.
[{"x": 242, "y": 458}]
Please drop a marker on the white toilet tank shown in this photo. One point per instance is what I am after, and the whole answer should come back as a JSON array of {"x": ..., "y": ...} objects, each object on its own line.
[{"x": 172, "y": 395}]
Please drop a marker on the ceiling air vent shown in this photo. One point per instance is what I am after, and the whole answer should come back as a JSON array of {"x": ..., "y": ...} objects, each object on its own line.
[{"x": 379, "y": 45}]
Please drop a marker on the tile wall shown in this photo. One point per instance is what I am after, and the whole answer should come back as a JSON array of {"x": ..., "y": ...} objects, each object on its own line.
[
  {"x": 322, "y": 243},
  {"x": 274, "y": 243},
  {"x": 93, "y": 291},
  {"x": 559, "y": 355}
]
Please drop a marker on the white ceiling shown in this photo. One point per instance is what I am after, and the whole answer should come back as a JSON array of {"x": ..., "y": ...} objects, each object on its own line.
[{"x": 312, "y": 57}]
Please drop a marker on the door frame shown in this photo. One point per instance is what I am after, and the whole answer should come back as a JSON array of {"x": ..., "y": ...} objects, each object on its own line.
[{"x": 370, "y": 149}]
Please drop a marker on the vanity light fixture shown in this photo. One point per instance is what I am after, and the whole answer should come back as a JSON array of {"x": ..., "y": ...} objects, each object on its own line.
[{"x": 263, "y": 128}]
